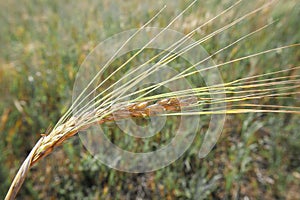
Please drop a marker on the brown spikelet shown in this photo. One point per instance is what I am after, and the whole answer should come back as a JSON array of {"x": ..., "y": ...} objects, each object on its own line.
[{"x": 141, "y": 109}]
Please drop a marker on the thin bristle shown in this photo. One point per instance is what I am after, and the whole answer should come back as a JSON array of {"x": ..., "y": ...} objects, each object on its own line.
[{"x": 111, "y": 105}]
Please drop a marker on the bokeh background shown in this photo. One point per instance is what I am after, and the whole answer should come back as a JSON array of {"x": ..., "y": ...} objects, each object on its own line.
[{"x": 43, "y": 44}]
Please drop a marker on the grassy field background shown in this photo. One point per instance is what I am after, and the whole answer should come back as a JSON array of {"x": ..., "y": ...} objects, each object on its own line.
[{"x": 43, "y": 44}]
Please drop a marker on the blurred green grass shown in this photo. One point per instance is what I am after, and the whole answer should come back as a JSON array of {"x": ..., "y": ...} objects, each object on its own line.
[{"x": 43, "y": 45}]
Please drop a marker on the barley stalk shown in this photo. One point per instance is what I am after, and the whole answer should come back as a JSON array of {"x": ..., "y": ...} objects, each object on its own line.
[{"x": 168, "y": 103}]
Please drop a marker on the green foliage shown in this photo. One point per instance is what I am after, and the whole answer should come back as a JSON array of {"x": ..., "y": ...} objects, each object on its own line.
[{"x": 43, "y": 45}]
